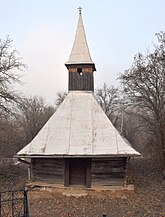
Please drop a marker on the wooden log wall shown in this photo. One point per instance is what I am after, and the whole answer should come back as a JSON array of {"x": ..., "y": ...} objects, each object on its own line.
[
  {"x": 103, "y": 171},
  {"x": 48, "y": 170},
  {"x": 108, "y": 172}
]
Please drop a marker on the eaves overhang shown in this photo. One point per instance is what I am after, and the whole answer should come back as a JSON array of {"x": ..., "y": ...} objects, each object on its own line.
[
  {"x": 77, "y": 156},
  {"x": 80, "y": 64}
]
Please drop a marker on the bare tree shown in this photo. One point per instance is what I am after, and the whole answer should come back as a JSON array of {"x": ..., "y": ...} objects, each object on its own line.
[
  {"x": 33, "y": 113},
  {"x": 60, "y": 98},
  {"x": 11, "y": 137},
  {"x": 120, "y": 111},
  {"x": 108, "y": 98},
  {"x": 144, "y": 83},
  {"x": 9, "y": 64}
]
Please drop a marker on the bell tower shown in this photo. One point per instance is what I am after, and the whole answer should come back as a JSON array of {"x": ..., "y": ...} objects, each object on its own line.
[{"x": 80, "y": 65}]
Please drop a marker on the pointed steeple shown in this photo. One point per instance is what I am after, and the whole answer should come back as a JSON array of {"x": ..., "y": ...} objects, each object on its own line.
[
  {"x": 80, "y": 52},
  {"x": 80, "y": 64}
]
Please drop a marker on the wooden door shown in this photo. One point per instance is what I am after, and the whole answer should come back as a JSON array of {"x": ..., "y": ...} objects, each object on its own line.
[{"x": 77, "y": 172}]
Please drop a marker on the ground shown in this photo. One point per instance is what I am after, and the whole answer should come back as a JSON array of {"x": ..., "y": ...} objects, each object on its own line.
[{"x": 148, "y": 198}]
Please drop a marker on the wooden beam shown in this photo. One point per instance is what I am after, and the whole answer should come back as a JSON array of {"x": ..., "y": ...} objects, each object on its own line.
[
  {"x": 66, "y": 173},
  {"x": 88, "y": 174}
]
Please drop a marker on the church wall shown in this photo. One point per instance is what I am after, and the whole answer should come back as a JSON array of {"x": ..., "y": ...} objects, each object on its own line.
[
  {"x": 100, "y": 171},
  {"x": 48, "y": 170},
  {"x": 108, "y": 171}
]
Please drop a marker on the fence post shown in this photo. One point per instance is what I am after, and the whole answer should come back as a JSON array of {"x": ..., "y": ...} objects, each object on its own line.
[
  {"x": 26, "y": 208},
  {"x": 0, "y": 204},
  {"x": 12, "y": 203}
]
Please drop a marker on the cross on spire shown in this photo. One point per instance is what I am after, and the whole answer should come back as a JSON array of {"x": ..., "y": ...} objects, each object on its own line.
[{"x": 80, "y": 10}]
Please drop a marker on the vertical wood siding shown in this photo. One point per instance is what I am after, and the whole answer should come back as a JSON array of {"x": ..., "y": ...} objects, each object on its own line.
[{"x": 82, "y": 81}]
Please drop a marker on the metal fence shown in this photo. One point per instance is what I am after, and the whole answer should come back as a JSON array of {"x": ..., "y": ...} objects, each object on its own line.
[{"x": 14, "y": 204}]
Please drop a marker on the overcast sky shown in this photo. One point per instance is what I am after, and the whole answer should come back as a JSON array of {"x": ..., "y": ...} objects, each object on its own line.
[{"x": 43, "y": 31}]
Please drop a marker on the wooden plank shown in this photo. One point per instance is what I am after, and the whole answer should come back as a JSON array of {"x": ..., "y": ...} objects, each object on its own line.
[
  {"x": 77, "y": 172},
  {"x": 32, "y": 173},
  {"x": 88, "y": 174},
  {"x": 49, "y": 170},
  {"x": 108, "y": 171},
  {"x": 66, "y": 174},
  {"x": 81, "y": 82}
]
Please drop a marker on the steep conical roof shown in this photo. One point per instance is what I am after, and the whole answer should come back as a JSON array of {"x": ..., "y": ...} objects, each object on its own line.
[
  {"x": 79, "y": 127},
  {"x": 80, "y": 52}
]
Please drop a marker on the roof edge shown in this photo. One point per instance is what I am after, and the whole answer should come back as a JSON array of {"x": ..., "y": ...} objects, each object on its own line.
[
  {"x": 67, "y": 64},
  {"x": 77, "y": 156}
]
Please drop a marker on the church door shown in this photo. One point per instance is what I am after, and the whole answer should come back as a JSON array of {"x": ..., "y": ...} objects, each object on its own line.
[{"x": 77, "y": 172}]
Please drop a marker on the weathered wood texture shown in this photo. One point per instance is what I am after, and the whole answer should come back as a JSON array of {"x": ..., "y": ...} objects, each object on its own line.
[
  {"x": 66, "y": 173},
  {"x": 81, "y": 81},
  {"x": 78, "y": 172},
  {"x": 108, "y": 172},
  {"x": 48, "y": 170}
]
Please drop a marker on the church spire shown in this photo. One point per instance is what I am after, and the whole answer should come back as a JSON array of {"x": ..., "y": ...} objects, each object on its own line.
[
  {"x": 80, "y": 64},
  {"x": 80, "y": 52}
]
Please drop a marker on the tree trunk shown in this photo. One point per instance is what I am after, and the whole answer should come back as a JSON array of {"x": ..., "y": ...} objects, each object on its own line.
[{"x": 160, "y": 146}]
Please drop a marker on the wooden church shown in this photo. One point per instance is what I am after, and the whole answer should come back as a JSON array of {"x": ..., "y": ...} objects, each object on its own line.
[{"x": 78, "y": 146}]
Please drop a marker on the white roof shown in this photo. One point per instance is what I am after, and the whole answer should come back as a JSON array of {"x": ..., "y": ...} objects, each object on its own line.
[
  {"x": 80, "y": 52},
  {"x": 79, "y": 127}
]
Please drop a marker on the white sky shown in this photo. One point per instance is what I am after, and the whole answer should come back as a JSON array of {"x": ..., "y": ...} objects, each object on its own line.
[{"x": 43, "y": 32}]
